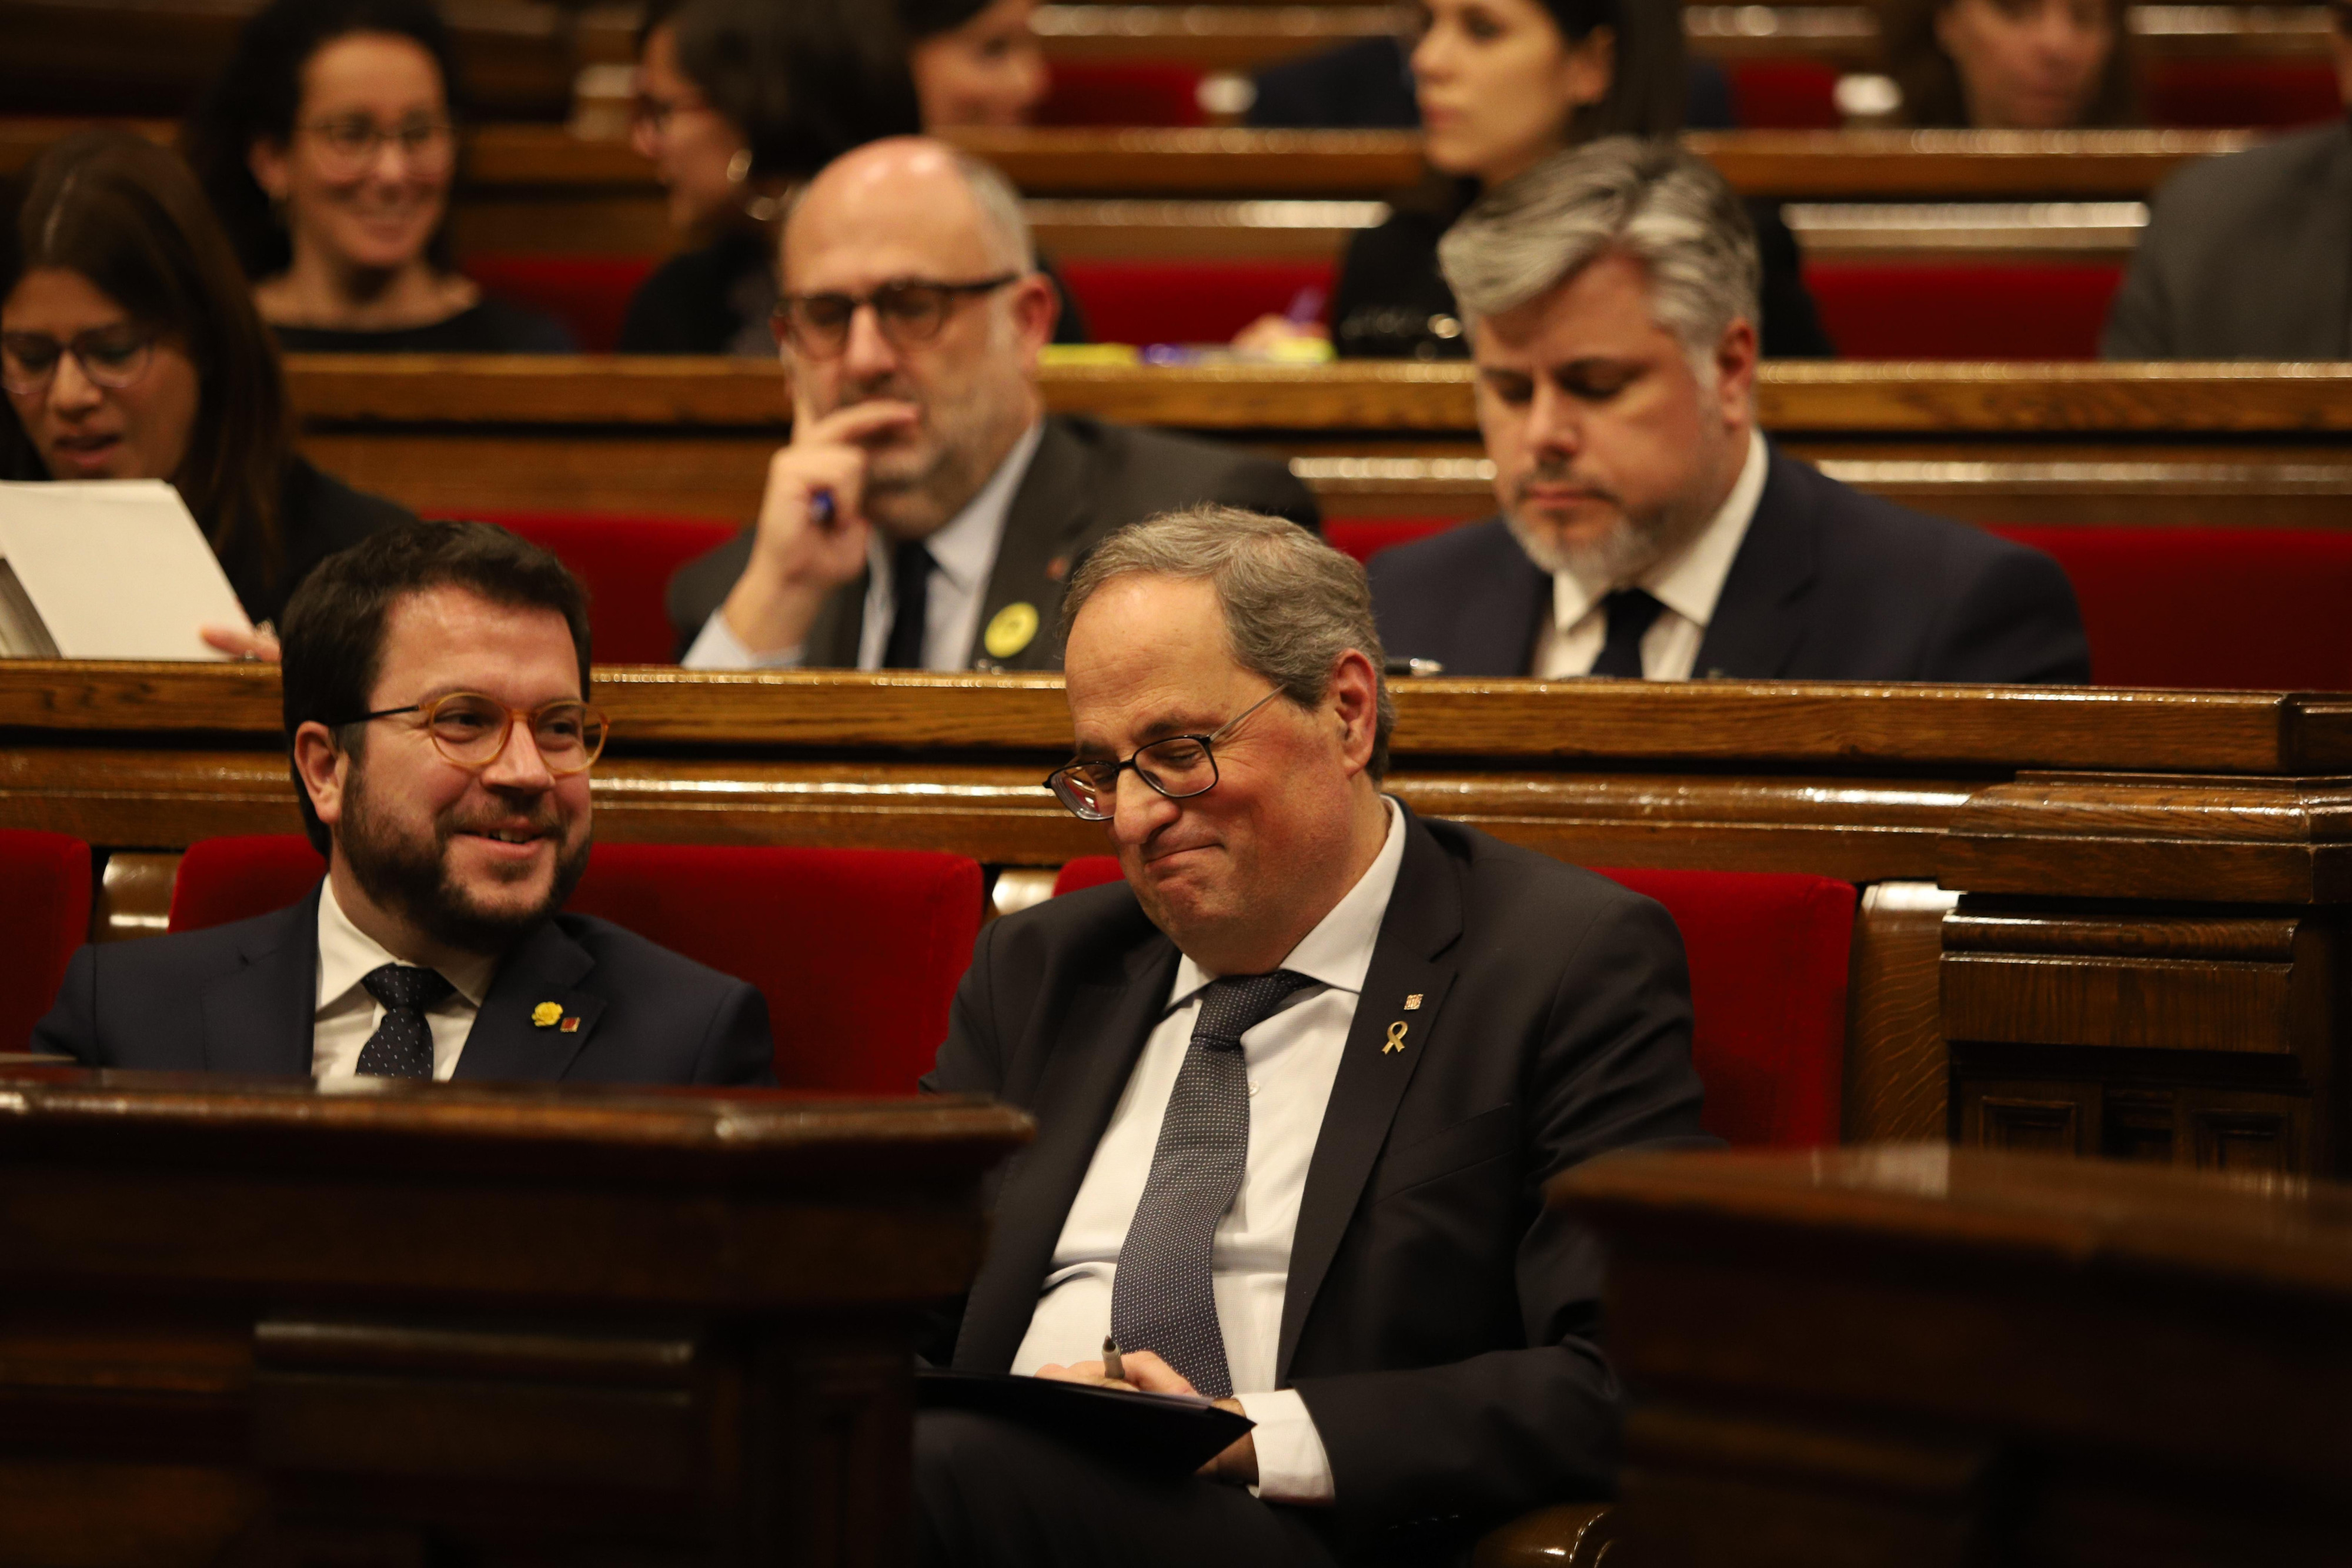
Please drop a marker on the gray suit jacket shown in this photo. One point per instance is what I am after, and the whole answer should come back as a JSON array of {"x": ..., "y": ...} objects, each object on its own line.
[
  {"x": 2245, "y": 258},
  {"x": 1087, "y": 480}
]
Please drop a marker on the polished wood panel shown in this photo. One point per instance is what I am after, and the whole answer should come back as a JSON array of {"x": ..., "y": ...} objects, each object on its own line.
[
  {"x": 517, "y": 1324},
  {"x": 1907, "y": 1355}
]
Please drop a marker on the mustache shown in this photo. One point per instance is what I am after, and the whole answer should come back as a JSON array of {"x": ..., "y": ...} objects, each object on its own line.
[{"x": 1548, "y": 474}]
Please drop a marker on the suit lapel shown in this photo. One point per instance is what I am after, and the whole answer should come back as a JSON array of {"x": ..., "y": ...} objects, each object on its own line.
[
  {"x": 1759, "y": 615},
  {"x": 1502, "y": 644},
  {"x": 259, "y": 1019},
  {"x": 840, "y": 623},
  {"x": 507, "y": 1042},
  {"x": 2330, "y": 211},
  {"x": 1046, "y": 518},
  {"x": 1099, "y": 1036},
  {"x": 1411, "y": 956}
]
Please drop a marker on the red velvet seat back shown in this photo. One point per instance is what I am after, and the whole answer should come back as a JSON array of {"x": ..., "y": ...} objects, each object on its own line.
[
  {"x": 626, "y": 563},
  {"x": 589, "y": 294},
  {"x": 44, "y": 916},
  {"x": 2226, "y": 94},
  {"x": 1904, "y": 310},
  {"x": 1188, "y": 301},
  {"x": 1122, "y": 92},
  {"x": 1784, "y": 94},
  {"x": 2253, "y": 609},
  {"x": 858, "y": 951},
  {"x": 1768, "y": 955}
]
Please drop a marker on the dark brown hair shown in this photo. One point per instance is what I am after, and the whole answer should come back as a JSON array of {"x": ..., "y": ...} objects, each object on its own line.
[
  {"x": 1930, "y": 82},
  {"x": 801, "y": 83},
  {"x": 125, "y": 214},
  {"x": 332, "y": 643},
  {"x": 1649, "y": 80}
]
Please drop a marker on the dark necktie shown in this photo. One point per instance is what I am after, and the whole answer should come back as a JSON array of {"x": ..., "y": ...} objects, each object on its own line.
[
  {"x": 401, "y": 1045},
  {"x": 1631, "y": 611},
  {"x": 1161, "y": 1298},
  {"x": 911, "y": 584}
]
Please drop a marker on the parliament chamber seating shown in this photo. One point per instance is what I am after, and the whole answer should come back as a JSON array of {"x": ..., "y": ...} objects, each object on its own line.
[
  {"x": 1769, "y": 957},
  {"x": 589, "y": 294},
  {"x": 858, "y": 951},
  {"x": 45, "y": 892},
  {"x": 1192, "y": 300},
  {"x": 1121, "y": 92},
  {"x": 1961, "y": 310},
  {"x": 625, "y": 564}
]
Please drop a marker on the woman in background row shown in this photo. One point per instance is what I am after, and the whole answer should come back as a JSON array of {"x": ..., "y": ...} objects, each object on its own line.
[
  {"x": 2012, "y": 65},
  {"x": 328, "y": 148},
  {"x": 131, "y": 349},
  {"x": 1503, "y": 85},
  {"x": 975, "y": 61}
]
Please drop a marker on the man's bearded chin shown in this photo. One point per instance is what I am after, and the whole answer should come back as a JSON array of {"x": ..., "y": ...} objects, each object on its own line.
[
  {"x": 412, "y": 879},
  {"x": 1631, "y": 545}
]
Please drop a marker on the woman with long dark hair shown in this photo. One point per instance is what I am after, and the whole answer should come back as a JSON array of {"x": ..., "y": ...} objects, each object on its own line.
[
  {"x": 131, "y": 349},
  {"x": 2012, "y": 65},
  {"x": 329, "y": 148}
]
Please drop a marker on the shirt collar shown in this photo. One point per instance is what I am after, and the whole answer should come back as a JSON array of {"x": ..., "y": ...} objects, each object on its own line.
[
  {"x": 964, "y": 550},
  {"x": 1339, "y": 952},
  {"x": 1689, "y": 582},
  {"x": 348, "y": 954}
]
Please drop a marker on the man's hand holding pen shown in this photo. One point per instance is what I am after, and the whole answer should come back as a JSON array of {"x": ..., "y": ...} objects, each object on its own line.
[
  {"x": 1141, "y": 1371},
  {"x": 813, "y": 527}
]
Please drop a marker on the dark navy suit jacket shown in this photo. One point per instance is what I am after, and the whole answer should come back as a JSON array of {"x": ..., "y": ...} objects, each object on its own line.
[
  {"x": 1828, "y": 585},
  {"x": 1440, "y": 1322},
  {"x": 240, "y": 999}
]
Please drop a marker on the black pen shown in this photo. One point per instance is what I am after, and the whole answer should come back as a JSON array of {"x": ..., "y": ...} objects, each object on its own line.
[{"x": 1112, "y": 1368}]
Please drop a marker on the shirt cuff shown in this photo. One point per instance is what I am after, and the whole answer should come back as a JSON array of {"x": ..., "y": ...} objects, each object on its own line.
[
  {"x": 717, "y": 647},
  {"x": 1291, "y": 1464}
]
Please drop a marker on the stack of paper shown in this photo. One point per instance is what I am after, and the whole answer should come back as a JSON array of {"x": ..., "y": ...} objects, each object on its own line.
[{"x": 107, "y": 569}]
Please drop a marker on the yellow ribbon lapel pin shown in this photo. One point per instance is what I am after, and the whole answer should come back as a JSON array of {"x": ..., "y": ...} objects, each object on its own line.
[{"x": 1396, "y": 1038}]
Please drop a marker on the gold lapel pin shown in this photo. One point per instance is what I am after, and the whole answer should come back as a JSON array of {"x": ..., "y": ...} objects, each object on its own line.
[
  {"x": 1396, "y": 1038},
  {"x": 545, "y": 1015},
  {"x": 1412, "y": 1003},
  {"x": 571, "y": 1026}
]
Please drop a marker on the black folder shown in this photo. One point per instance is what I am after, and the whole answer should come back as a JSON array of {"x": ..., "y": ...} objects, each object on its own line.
[{"x": 1168, "y": 1434}]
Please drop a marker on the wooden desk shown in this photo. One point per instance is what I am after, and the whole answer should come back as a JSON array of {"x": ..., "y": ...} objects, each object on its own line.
[
  {"x": 526, "y": 1325},
  {"x": 2144, "y": 961},
  {"x": 1919, "y": 1357},
  {"x": 2055, "y": 443}
]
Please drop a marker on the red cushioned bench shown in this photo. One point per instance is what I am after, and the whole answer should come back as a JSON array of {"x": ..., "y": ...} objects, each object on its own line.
[
  {"x": 626, "y": 563},
  {"x": 1188, "y": 301},
  {"x": 44, "y": 916}
]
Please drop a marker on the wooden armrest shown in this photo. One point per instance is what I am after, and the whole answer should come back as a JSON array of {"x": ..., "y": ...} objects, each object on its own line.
[{"x": 1571, "y": 1535}]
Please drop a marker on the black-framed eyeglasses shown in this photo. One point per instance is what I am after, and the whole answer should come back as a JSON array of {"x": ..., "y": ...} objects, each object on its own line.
[
  {"x": 1178, "y": 766},
  {"x": 909, "y": 311},
  {"x": 427, "y": 140},
  {"x": 472, "y": 730},
  {"x": 112, "y": 356}
]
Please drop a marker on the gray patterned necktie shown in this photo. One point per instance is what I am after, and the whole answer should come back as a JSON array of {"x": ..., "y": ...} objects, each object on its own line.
[
  {"x": 1161, "y": 1298},
  {"x": 401, "y": 1045}
]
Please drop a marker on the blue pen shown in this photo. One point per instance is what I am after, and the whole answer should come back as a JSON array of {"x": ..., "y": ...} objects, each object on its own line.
[{"x": 821, "y": 507}]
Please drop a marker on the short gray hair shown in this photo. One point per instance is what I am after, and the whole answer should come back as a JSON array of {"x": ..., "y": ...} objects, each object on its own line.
[
  {"x": 1293, "y": 604},
  {"x": 1650, "y": 200},
  {"x": 999, "y": 207}
]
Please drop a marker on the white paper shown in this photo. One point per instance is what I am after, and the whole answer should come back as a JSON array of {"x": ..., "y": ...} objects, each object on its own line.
[{"x": 117, "y": 569}]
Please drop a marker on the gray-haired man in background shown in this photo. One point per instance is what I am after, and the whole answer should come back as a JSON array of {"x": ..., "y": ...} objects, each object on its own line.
[{"x": 1648, "y": 529}]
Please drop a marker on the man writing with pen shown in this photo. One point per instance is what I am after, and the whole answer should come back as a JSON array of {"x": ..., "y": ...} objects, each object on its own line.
[{"x": 928, "y": 510}]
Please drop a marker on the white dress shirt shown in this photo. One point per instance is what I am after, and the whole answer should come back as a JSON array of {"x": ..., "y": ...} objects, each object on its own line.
[
  {"x": 1291, "y": 1060},
  {"x": 963, "y": 555},
  {"x": 1687, "y": 584},
  {"x": 345, "y": 1015}
]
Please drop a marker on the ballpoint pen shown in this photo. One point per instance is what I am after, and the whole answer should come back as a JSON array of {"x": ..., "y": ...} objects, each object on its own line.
[{"x": 1112, "y": 1368}]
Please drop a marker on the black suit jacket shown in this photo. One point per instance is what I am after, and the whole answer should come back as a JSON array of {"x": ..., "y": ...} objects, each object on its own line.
[
  {"x": 1439, "y": 1322},
  {"x": 240, "y": 999},
  {"x": 1086, "y": 480},
  {"x": 1828, "y": 585}
]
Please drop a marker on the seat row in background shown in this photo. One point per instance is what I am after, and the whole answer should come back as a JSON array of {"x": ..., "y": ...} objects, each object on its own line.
[{"x": 859, "y": 952}]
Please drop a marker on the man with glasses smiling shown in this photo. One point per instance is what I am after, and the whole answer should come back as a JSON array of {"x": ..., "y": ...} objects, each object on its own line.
[
  {"x": 1299, "y": 1081},
  {"x": 435, "y": 682},
  {"x": 928, "y": 510}
]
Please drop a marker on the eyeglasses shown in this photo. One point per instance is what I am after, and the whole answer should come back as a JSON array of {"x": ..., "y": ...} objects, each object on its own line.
[
  {"x": 650, "y": 115},
  {"x": 1180, "y": 767},
  {"x": 428, "y": 142},
  {"x": 471, "y": 730},
  {"x": 908, "y": 311},
  {"x": 113, "y": 357}
]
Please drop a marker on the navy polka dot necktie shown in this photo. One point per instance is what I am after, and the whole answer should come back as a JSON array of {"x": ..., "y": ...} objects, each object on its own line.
[
  {"x": 1161, "y": 1298},
  {"x": 401, "y": 1045}
]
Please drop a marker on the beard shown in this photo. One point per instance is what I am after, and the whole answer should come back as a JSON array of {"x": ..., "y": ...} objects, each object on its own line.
[
  {"x": 1628, "y": 545},
  {"x": 410, "y": 878}
]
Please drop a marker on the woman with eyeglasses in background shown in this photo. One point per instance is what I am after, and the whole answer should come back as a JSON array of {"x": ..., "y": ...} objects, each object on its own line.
[
  {"x": 130, "y": 348},
  {"x": 328, "y": 148}
]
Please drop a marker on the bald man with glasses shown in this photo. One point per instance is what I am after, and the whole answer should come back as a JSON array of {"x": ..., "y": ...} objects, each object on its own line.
[{"x": 929, "y": 510}]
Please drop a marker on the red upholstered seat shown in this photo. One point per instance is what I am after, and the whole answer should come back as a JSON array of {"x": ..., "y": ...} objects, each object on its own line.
[
  {"x": 2225, "y": 94},
  {"x": 858, "y": 951},
  {"x": 1122, "y": 92},
  {"x": 1188, "y": 301},
  {"x": 1768, "y": 960},
  {"x": 626, "y": 564},
  {"x": 1365, "y": 538},
  {"x": 1784, "y": 94},
  {"x": 2244, "y": 608},
  {"x": 1901, "y": 310},
  {"x": 589, "y": 294},
  {"x": 44, "y": 916}
]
